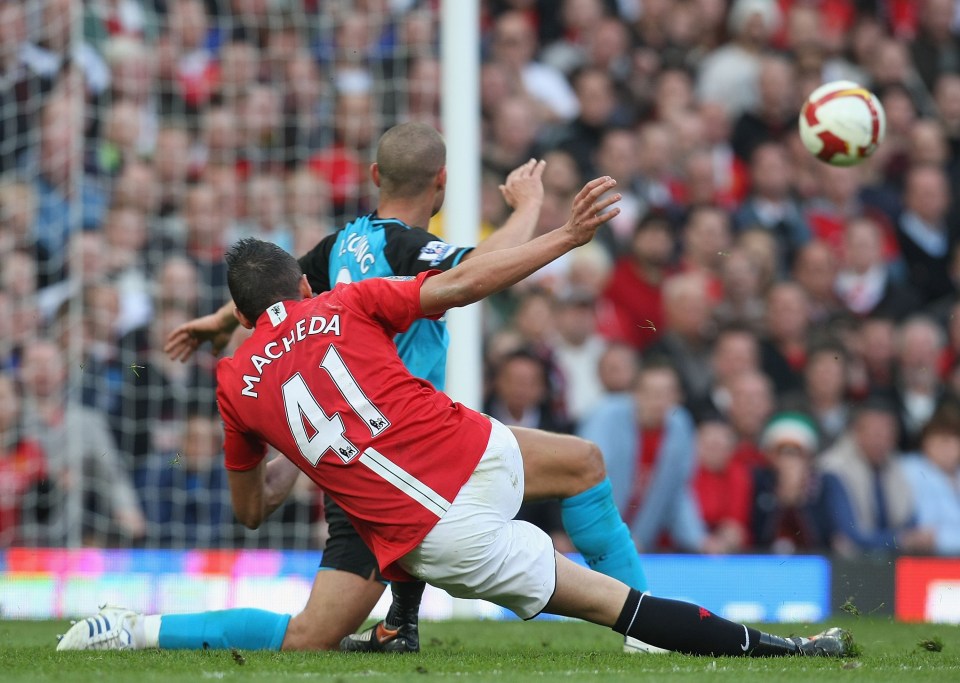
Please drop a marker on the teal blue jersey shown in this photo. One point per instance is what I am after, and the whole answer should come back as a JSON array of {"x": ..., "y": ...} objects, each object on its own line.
[{"x": 382, "y": 247}]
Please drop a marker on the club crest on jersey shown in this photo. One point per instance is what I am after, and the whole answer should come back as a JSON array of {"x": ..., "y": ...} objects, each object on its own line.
[{"x": 435, "y": 252}]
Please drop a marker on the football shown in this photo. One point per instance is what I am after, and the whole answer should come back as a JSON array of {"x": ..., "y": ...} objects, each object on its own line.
[{"x": 842, "y": 123}]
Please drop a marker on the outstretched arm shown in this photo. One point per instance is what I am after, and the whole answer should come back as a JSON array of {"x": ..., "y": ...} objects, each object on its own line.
[
  {"x": 215, "y": 328},
  {"x": 488, "y": 273},
  {"x": 523, "y": 191}
]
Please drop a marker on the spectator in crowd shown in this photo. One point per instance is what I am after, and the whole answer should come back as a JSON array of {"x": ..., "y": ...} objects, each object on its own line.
[
  {"x": 815, "y": 270},
  {"x": 790, "y": 511},
  {"x": 598, "y": 108},
  {"x": 133, "y": 72},
  {"x": 171, "y": 163},
  {"x": 617, "y": 368},
  {"x": 265, "y": 213},
  {"x": 723, "y": 488},
  {"x": 839, "y": 201},
  {"x": 514, "y": 44},
  {"x": 25, "y": 492},
  {"x": 770, "y": 205},
  {"x": 617, "y": 156},
  {"x": 735, "y": 353},
  {"x": 706, "y": 241},
  {"x": 57, "y": 51},
  {"x": 874, "y": 353},
  {"x": 742, "y": 302},
  {"x": 784, "y": 351},
  {"x": 730, "y": 74},
  {"x": 519, "y": 396},
  {"x": 775, "y": 115},
  {"x": 206, "y": 242},
  {"x": 936, "y": 49},
  {"x": 99, "y": 502},
  {"x": 647, "y": 441},
  {"x": 631, "y": 306},
  {"x": 866, "y": 283},
  {"x": 685, "y": 341},
  {"x": 520, "y": 399},
  {"x": 577, "y": 349},
  {"x": 19, "y": 109},
  {"x": 934, "y": 477},
  {"x": 871, "y": 509},
  {"x": 185, "y": 494},
  {"x": 156, "y": 392},
  {"x": 59, "y": 186},
  {"x": 922, "y": 232},
  {"x": 920, "y": 345},
  {"x": 751, "y": 405},
  {"x": 187, "y": 67},
  {"x": 513, "y": 131},
  {"x": 825, "y": 393},
  {"x": 656, "y": 184},
  {"x": 18, "y": 215}
]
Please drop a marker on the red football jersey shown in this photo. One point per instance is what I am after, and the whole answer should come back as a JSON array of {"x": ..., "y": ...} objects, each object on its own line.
[{"x": 320, "y": 380}]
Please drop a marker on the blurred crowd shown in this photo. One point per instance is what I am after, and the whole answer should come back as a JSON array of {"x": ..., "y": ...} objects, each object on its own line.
[{"x": 766, "y": 348}]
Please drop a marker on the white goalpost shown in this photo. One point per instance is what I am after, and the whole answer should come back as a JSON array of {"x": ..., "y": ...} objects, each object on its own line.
[{"x": 460, "y": 107}]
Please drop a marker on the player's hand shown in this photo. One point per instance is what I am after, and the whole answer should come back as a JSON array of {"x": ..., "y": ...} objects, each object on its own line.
[
  {"x": 589, "y": 210},
  {"x": 524, "y": 185},
  {"x": 188, "y": 337}
]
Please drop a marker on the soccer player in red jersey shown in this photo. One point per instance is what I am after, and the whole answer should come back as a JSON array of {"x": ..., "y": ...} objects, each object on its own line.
[
  {"x": 431, "y": 486},
  {"x": 410, "y": 173}
]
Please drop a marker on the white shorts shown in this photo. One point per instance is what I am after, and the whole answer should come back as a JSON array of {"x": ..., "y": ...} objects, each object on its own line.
[{"x": 477, "y": 549}]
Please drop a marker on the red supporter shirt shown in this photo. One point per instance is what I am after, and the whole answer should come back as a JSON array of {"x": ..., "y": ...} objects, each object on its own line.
[
  {"x": 647, "y": 451},
  {"x": 21, "y": 467},
  {"x": 320, "y": 381},
  {"x": 725, "y": 496},
  {"x": 631, "y": 309}
]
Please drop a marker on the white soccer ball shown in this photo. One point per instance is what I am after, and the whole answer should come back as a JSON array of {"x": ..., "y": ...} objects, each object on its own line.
[{"x": 842, "y": 123}]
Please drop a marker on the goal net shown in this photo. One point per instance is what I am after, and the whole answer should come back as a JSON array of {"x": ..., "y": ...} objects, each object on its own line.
[{"x": 138, "y": 139}]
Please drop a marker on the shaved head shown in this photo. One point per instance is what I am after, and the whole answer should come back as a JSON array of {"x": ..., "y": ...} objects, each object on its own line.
[{"x": 409, "y": 157}]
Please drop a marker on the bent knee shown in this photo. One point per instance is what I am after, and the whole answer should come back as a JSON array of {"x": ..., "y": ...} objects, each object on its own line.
[
  {"x": 592, "y": 469},
  {"x": 303, "y": 634}
]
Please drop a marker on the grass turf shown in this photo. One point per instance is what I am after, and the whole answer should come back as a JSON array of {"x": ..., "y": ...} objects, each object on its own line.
[{"x": 478, "y": 651}]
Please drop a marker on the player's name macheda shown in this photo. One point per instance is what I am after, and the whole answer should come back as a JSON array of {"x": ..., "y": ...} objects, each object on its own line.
[{"x": 275, "y": 349}]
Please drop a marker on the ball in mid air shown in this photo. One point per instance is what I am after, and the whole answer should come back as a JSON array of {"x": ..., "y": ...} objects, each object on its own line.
[{"x": 842, "y": 123}]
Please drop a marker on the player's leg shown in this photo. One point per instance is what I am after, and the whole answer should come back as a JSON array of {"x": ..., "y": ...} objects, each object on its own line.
[
  {"x": 672, "y": 624},
  {"x": 478, "y": 551},
  {"x": 339, "y": 603},
  {"x": 345, "y": 589},
  {"x": 571, "y": 469}
]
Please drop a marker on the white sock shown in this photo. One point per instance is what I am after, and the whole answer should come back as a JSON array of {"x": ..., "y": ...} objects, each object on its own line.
[{"x": 146, "y": 634}]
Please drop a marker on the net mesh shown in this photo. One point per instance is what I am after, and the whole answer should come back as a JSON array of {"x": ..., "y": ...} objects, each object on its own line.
[{"x": 137, "y": 140}]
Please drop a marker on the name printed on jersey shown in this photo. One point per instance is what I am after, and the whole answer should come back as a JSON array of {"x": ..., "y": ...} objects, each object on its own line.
[
  {"x": 359, "y": 246},
  {"x": 435, "y": 252},
  {"x": 272, "y": 350}
]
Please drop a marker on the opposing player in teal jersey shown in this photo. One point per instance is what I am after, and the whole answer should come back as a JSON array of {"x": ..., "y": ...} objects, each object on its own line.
[{"x": 411, "y": 174}]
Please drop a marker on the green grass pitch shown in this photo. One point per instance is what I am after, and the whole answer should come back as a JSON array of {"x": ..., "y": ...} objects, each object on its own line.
[{"x": 479, "y": 651}]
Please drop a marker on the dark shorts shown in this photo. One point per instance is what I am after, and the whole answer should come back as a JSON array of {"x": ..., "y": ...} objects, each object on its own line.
[{"x": 346, "y": 551}]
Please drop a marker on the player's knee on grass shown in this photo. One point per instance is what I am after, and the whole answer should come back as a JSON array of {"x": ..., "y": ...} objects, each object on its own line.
[{"x": 304, "y": 633}]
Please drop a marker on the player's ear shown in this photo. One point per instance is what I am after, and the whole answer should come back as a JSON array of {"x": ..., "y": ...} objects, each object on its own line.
[
  {"x": 242, "y": 319},
  {"x": 306, "y": 291},
  {"x": 442, "y": 178},
  {"x": 375, "y": 173}
]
